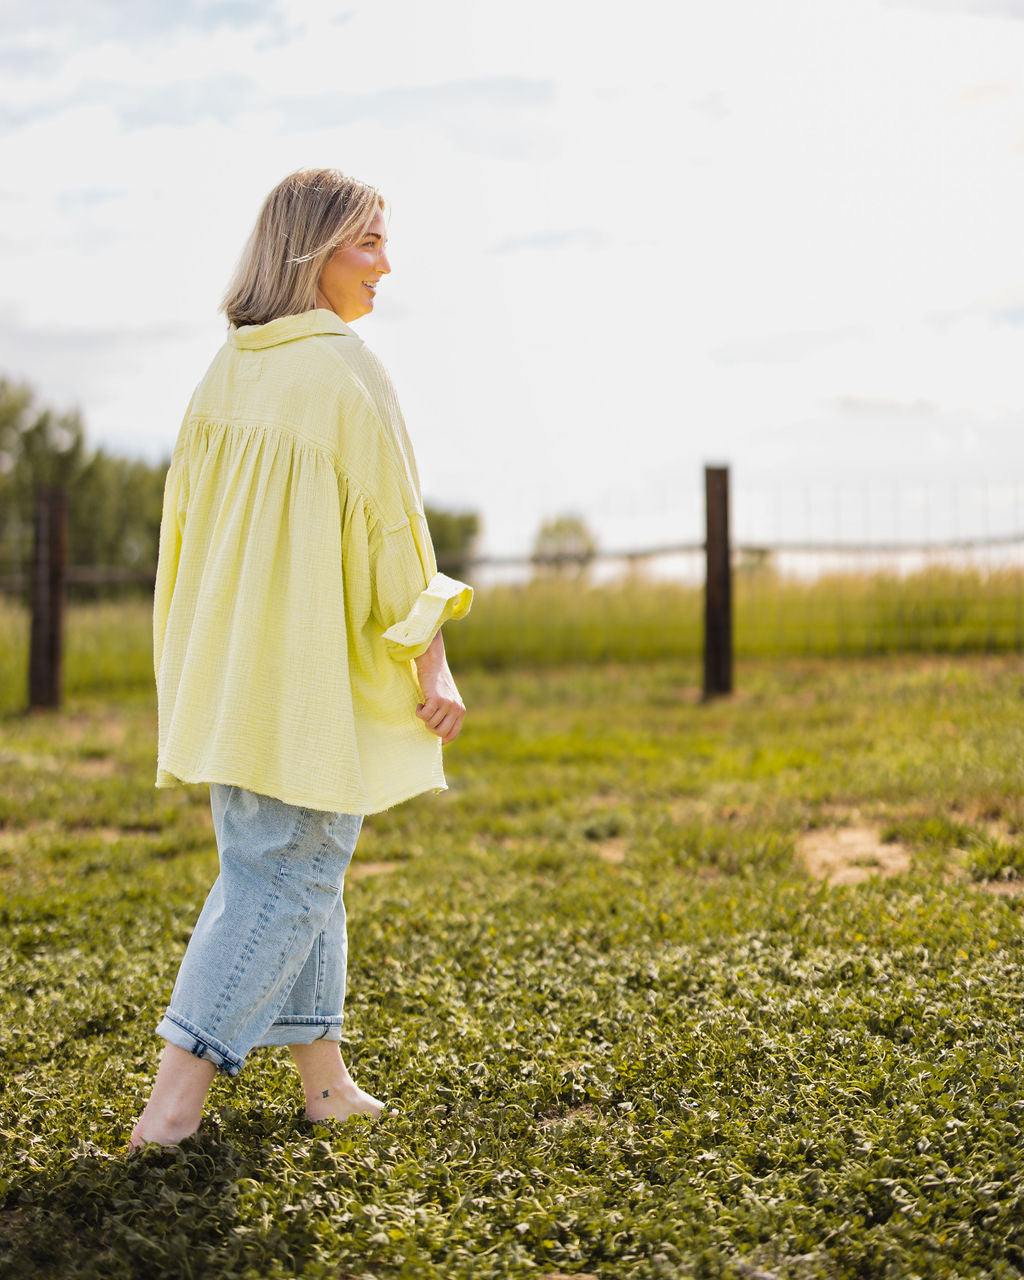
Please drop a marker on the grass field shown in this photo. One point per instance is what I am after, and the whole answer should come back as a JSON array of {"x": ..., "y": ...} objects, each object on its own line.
[{"x": 622, "y": 1029}]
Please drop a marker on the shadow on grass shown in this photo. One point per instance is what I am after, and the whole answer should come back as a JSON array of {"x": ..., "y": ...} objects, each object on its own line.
[{"x": 179, "y": 1212}]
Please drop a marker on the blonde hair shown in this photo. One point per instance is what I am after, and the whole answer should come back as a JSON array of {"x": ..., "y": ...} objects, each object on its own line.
[{"x": 303, "y": 220}]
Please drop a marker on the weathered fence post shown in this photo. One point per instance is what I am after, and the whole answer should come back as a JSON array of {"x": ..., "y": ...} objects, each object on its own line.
[
  {"x": 718, "y": 586},
  {"x": 49, "y": 567}
]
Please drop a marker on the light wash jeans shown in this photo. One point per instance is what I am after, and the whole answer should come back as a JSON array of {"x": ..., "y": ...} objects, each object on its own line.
[{"x": 267, "y": 960}]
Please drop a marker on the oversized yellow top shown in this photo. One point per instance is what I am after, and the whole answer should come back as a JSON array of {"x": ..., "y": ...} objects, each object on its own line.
[{"x": 296, "y": 579}]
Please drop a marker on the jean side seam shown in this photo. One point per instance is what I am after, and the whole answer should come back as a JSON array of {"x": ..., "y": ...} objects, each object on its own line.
[
  {"x": 301, "y": 827},
  {"x": 316, "y": 885},
  {"x": 234, "y": 979},
  {"x": 266, "y": 913},
  {"x": 318, "y": 986}
]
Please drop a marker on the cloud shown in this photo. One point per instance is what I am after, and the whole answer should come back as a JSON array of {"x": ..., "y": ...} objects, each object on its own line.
[
  {"x": 134, "y": 107},
  {"x": 784, "y": 347},
  {"x": 583, "y": 238},
  {"x": 883, "y": 406},
  {"x": 79, "y": 365},
  {"x": 489, "y": 115},
  {"x": 983, "y": 8},
  {"x": 130, "y": 19},
  {"x": 1007, "y": 312},
  {"x": 715, "y": 105},
  {"x": 1009, "y": 315}
]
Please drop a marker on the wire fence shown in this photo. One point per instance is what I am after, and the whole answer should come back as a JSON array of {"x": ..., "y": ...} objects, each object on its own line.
[
  {"x": 84, "y": 578},
  {"x": 826, "y": 569},
  {"x": 816, "y": 571}
]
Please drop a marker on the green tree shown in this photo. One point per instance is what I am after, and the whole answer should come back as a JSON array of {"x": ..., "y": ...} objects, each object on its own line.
[
  {"x": 453, "y": 534},
  {"x": 564, "y": 547},
  {"x": 114, "y": 503},
  {"x": 37, "y": 447}
]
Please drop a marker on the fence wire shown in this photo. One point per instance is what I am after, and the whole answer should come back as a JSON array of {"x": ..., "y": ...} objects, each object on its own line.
[
  {"x": 829, "y": 569},
  {"x": 818, "y": 570}
]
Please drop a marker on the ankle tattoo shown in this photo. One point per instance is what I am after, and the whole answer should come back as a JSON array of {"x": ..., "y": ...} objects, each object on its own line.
[{"x": 325, "y": 1093}]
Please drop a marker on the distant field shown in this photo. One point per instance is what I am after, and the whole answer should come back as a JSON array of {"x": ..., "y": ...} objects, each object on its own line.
[
  {"x": 549, "y": 623},
  {"x": 656, "y": 990}
]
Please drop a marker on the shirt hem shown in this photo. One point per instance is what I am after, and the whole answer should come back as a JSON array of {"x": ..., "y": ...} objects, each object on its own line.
[{"x": 167, "y": 777}]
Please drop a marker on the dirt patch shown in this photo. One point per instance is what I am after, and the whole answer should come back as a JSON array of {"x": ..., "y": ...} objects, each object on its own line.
[
  {"x": 589, "y": 1111},
  {"x": 850, "y": 855},
  {"x": 92, "y": 767},
  {"x": 109, "y": 835},
  {"x": 958, "y": 870},
  {"x": 601, "y": 801},
  {"x": 613, "y": 850},
  {"x": 1002, "y": 888},
  {"x": 357, "y": 870},
  {"x": 997, "y": 827},
  {"x": 30, "y": 762},
  {"x": 855, "y": 853},
  {"x": 78, "y": 725}
]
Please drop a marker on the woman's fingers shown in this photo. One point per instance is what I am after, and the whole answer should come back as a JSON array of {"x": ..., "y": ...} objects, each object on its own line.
[{"x": 442, "y": 716}]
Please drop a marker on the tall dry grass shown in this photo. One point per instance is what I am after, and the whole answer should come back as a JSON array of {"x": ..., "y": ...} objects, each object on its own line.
[{"x": 552, "y": 623}]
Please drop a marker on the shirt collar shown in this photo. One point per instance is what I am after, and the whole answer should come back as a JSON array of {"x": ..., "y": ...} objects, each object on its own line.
[{"x": 288, "y": 328}]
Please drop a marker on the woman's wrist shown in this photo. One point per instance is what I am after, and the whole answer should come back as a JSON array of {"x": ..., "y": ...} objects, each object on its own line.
[{"x": 433, "y": 657}]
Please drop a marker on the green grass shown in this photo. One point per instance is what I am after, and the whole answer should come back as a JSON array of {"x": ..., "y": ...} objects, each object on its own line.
[
  {"x": 938, "y": 610},
  {"x": 623, "y": 1032},
  {"x": 553, "y": 622},
  {"x": 840, "y": 615}
]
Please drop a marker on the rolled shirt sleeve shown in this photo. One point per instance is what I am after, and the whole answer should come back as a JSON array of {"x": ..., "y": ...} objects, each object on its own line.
[
  {"x": 443, "y": 599},
  {"x": 411, "y": 599}
]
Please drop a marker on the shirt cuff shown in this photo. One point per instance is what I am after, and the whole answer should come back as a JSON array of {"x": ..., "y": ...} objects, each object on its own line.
[{"x": 442, "y": 599}]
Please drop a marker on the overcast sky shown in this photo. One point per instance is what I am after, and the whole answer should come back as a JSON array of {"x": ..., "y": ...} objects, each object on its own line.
[{"x": 626, "y": 239}]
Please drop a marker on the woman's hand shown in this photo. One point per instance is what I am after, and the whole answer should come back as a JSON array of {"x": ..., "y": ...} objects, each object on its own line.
[{"x": 441, "y": 709}]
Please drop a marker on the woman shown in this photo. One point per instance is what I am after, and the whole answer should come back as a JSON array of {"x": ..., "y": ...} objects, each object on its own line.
[{"x": 300, "y": 667}]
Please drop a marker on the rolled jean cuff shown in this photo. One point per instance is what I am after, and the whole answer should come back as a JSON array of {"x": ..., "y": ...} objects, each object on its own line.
[
  {"x": 296, "y": 1030},
  {"x": 186, "y": 1035}
]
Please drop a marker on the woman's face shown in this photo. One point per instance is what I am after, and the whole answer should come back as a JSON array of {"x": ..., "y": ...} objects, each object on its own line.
[{"x": 348, "y": 281}]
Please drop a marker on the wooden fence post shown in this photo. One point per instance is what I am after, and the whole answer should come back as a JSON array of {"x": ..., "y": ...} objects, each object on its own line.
[
  {"x": 718, "y": 586},
  {"x": 49, "y": 568}
]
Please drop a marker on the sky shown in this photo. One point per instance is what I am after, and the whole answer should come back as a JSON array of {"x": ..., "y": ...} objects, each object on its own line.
[{"x": 627, "y": 241}]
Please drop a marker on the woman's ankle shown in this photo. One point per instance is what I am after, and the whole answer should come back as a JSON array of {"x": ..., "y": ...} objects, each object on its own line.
[
  {"x": 168, "y": 1130},
  {"x": 175, "y": 1106},
  {"x": 340, "y": 1103}
]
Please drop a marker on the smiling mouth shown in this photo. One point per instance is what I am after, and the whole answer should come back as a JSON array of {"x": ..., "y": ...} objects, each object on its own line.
[{"x": 371, "y": 285}]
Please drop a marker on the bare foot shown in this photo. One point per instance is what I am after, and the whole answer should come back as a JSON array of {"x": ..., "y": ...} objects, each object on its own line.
[
  {"x": 175, "y": 1106},
  {"x": 330, "y": 1091},
  {"x": 342, "y": 1102},
  {"x": 166, "y": 1132}
]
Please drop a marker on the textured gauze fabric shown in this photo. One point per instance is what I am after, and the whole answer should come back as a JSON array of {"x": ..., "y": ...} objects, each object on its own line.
[{"x": 296, "y": 579}]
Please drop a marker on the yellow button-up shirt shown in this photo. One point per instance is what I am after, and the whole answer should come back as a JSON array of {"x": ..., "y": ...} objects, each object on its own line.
[{"x": 296, "y": 579}]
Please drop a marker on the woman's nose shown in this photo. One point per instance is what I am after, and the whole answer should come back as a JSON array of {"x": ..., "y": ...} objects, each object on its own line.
[{"x": 383, "y": 265}]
